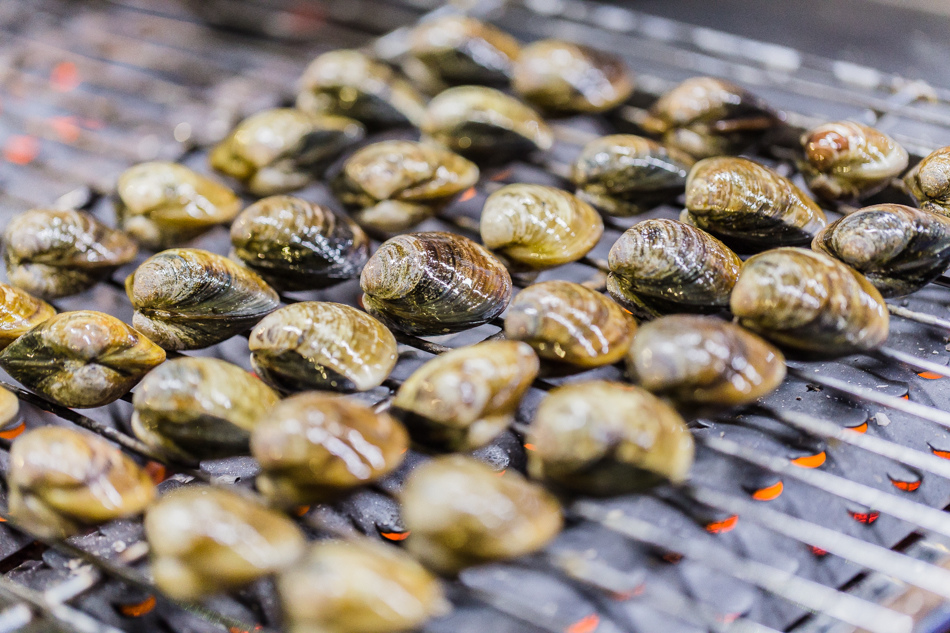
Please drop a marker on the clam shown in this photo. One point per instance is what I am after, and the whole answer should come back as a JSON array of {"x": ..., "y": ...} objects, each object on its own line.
[
  {"x": 298, "y": 245},
  {"x": 56, "y": 253},
  {"x": 624, "y": 174},
  {"x": 434, "y": 283},
  {"x": 9, "y": 409},
  {"x": 697, "y": 360},
  {"x": 663, "y": 266},
  {"x": 315, "y": 447},
  {"x": 560, "y": 76},
  {"x": 567, "y": 322},
  {"x": 929, "y": 182},
  {"x": 206, "y": 540},
  {"x": 606, "y": 438},
  {"x": 751, "y": 206},
  {"x": 62, "y": 481},
  {"x": 358, "y": 586},
  {"x": 163, "y": 204},
  {"x": 538, "y": 227},
  {"x": 809, "y": 301},
  {"x": 458, "y": 49},
  {"x": 705, "y": 117},
  {"x": 350, "y": 83},
  {"x": 199, "y": 408},
  {"x": 322, "y": 345},
  {"x": 464, "y": 398},
  {"x": 391, "y": 186},
  {"x": 847, "y": 160},
  {"x": 20, "y": 311},
  {"x": 485, "y": 123},
  {"x": 898, "y": 249},
  {"x": 277, "y": 151},
  {"x": 459, "y": 512},
  {"x": 186, "y": 298},
  {"x": 81, "y": 359}
]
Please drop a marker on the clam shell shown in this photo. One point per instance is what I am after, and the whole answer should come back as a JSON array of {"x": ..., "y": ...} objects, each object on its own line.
[
  {"x": 20, "y": 311},
  {"x": 322, "y": 345},
  {"x": 81, "y": 359},
  {"x": 809, "y": 301},
  {"x": 298, "y": 245},
  {"x": 459, "y": 49},
  {"x": 56, "y": 253},
  {"x": 9, "y": 409},
  {"x": 186, "y": 298},
  {"x": 434, "y": 283},
  {"x": 929, "y": 182}
]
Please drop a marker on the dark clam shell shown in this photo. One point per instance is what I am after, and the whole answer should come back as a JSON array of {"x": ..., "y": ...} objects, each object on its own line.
[{"x": 457, "y": 49}]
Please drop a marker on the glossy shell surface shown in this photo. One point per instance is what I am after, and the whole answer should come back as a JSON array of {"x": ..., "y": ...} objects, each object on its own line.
[
  {"x": 20, "y": 311},
  {"x": 457, "y": 49},
  {"x": 929, "y": 182}
]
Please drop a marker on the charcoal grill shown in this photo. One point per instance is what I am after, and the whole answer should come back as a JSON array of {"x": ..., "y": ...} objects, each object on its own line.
[{"x": 822, "y": 510}]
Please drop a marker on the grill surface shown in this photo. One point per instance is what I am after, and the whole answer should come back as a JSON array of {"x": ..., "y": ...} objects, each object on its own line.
[{"x": 87, "y": 91}]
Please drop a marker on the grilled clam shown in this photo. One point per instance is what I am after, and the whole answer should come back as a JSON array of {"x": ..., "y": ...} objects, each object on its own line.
[
  {"x": 322, "y": 345},
  {"x": 81, "y": 359},
  {"x": 564, "y": 321},
  {"x": 462, "y": 399},
  {"x": 199, "y": 408},
  {"x": 51, "y": 253},
  {"x": 899, "y": 249},
  {"x": 315, "y": 447},
  {"x": 538, "y": 227},
  {"x": 278, "y": 150},
  {"x": 459, "y": 512},
  {"x": 163, "y": 204},
  {"x": 809, "y": 301},
  {"x": 208, "y": 540},
  {"x": 606, "y": 438},
  {"x": 393, "y": 185},
  {"x": 459, "y": 49},
  {"x": 9, "y": 409},
  {"x": 624, "y": 174},
  {"x": 848, "y": 160},
  {"x": 485, "y": 123},
  {"x": 61, "y": 480},
  {"x": 707, "y": 117},
  {"x": 929, "y": 182},
  {"x": 350, "y": 83},
  {"x": 746, "y": 204},
  {"x": 298, "y": 245},
  {"x": 699, "y": 360},
  {"x": 663, "y": 266},
  {"x": 434, "y": 283},
  {"x": 20, "y": 311},
  {"x": 186, "y": 298}
]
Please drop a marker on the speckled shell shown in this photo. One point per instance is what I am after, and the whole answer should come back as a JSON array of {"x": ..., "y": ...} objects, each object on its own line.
[
  {"x": 81, "y": 359},
  {"x": 702, "y": 361},
  {"x": 322, "y": 345},
  {"x": 459, "y": 512},
  {"x": 929, "y": 182},
  {"x": 20, "y": 311},
  {"x": 485, "y": 123},
  {"x": 163, "y": 204},
  {"x": 434, "y": 283},
  {"x": 391, "y": 186},
  {"x": 847, "y": 160},
  {"x": 186, "y": 298},
  {"x": 314, "y": 447},
  {"x": 561, "y": 76},
  {"x": 663, "y": 266},
  {"x": 566, "y": 322},
  {"x": 538, "y": 227},
  {"x": 277, "y": 151},
  {"x": 899, "y": 249},
  {"x": 206, "y": 540},
  {"x": 464, "y": 398},
  {"x": 624, "y": 174},
  {"x": 606, "y": 438},
  {"x": 350, "y": 83},
  {"x": 809, "y": 301},
  {"x": 705, "y": 117},
  {"x": 199, "y": 408},
  {"x": 748, "y": 205},
  {"x": 357, "y": 586},
  {"x": 52, "y": 253},
  {"x": 298, "y": 245},
  {"x": 458, "y": 49},
  {"x": 62, "y": 480}
]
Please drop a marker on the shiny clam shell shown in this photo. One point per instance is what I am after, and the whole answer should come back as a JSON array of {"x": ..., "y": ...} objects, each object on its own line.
[
  {"x": 20, "y": 311},
  {"x": 458, "y": 49},
  {"x": 929, "y": 182}
]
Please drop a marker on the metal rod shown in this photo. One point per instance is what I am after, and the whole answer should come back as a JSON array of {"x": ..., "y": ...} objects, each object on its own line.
[
  {"x": 915, "y": 362},
  {"x": 68, "y": 617},
  {"x": 919, "y": 317}
]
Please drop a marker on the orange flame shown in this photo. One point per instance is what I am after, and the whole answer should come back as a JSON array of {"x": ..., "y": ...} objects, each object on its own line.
[
  {"x": 66, "y": 128},
  {"x": 861, "y": 428},
  {"x": 672, "y": 557},
  {"x": 502, "y": 175},
  {"x": 467, "y": 195},
  {"x": 587, "y": 624},
  {"x": 769, "y": 492},
  {"x": 930, "y": 375},
  {"x": 721, "y": 527},
  {"x": 156, "y": 472},
  {"x": 529, "y": 447},
  {"x": 395, "y": 536},
  {"x": 21, "y": 149},
  {"x": 139, "y": 609},
  {"x": 622, "y": 596},
  {"x": 940, "y": 453},
  {"x": 16, "y": 431},
  {"x": 865, "y": 517},
  {"x": 817, "y": 551},
  {"x": 64, "y": 77},
  {"x": 502, "y": 472},
  {"x": 810, "y": 461},
  {"x": 906, "y": 396},
  {"x": 302, "y": 510},
  {"x": 906, "y": 486}
]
